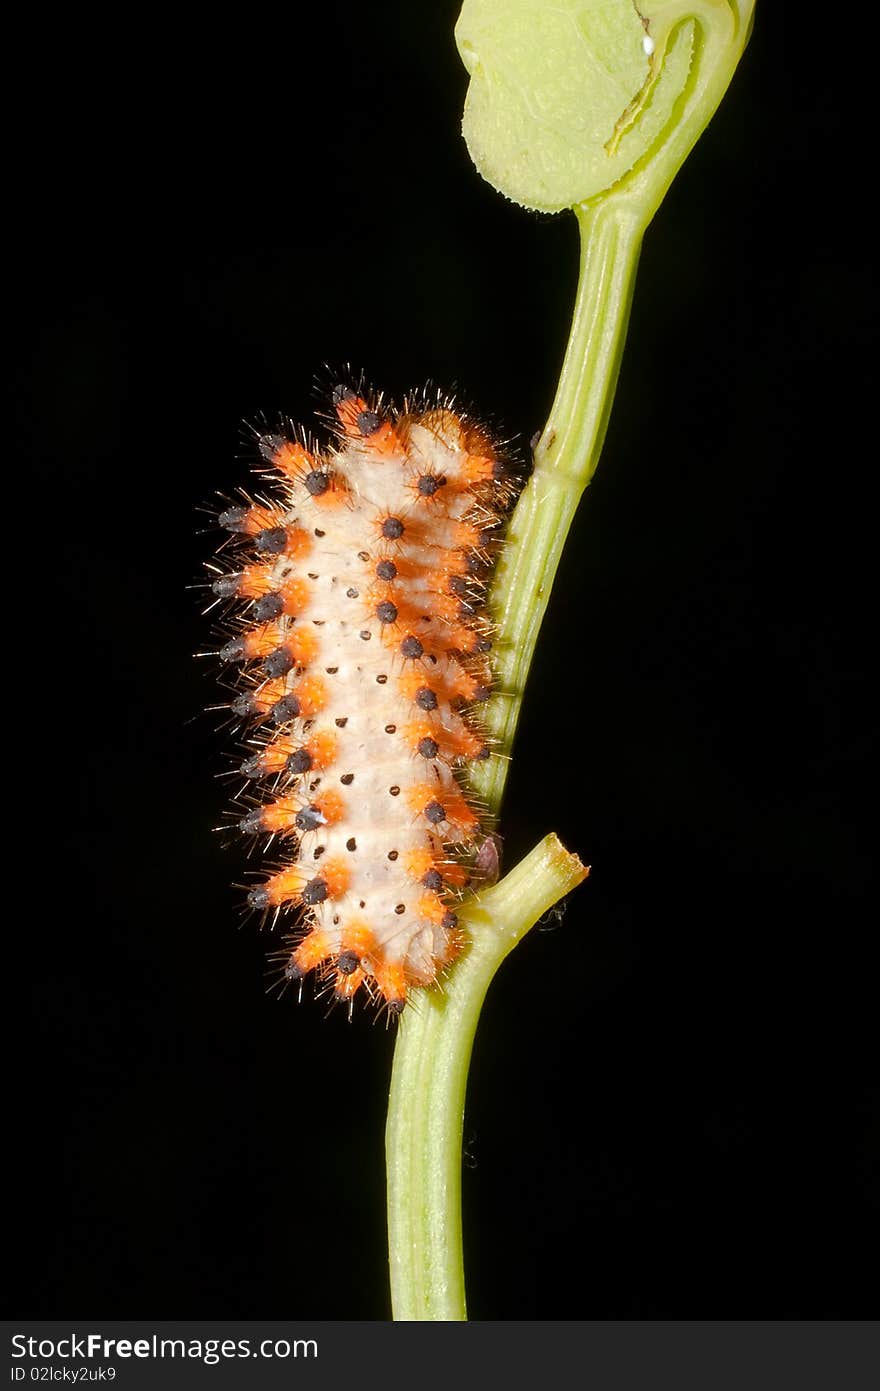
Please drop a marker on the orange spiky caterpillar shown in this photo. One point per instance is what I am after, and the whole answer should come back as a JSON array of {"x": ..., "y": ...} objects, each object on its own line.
[{"x": 363, "y": 647}]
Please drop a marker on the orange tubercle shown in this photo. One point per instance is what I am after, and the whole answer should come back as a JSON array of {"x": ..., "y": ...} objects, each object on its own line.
[
  {"x": 335, "y": 874},
  {"x": 468, "y": 536},
  {"x": 431, "y": 909},
  {"x": 453, "y": 563},
  {"x": 347, "y": 985},
  {"x": 259, "y": 642},
  {"x": 255, "y": 580},
  {"x": 466, "y": 685},
  {"x": 418, "y": 862},
  {"x": 335, "y": 495},
  {"x": 467, "y": 743},
  {"x": 259, "y": 519},
  {"x": 479, "y": 468},
  {"x": 391, "y": 980},
  {"x": 273, "y": 758},
  {"x": 447, "y": 607},
  {"x": 267, "y": 695},
  {"x": 443, "y": 809},
  {"x": 419, "y": 796},
  {"x": 331, "y": 805},
  {"x": 278, "y": 816},
  {"x": 384, "y": 441},
  {"x": 361, "y": 423},
  {"x": 411, "y": 682},
  {"x": 303, "y": 645},
  {"x": 312, "y": 695},
  {"x": 459, "y": 813},
  {"x": 312, "y": 951},
  {"x": 294, "y": 596},
  {"x": 292, "y": 459},
  {"x": 418, "y": 730},
  {"x": 348, "y": 409},
  {"x": 358, "y": 938},
  {"x": 322, "y": 746},
  {"x": 299, "y": 543},
  {"x": 286, "y": 886},
  {"x": 461, "y": 638}
]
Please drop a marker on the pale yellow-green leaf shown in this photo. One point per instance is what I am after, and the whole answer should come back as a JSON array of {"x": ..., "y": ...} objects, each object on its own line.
[{"x": 567, "y": 97}]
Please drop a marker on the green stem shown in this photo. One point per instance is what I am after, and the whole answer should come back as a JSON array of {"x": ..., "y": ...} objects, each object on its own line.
[
  {"x": 426, "y": 1111},
  {"x": 565, "y": 460}
]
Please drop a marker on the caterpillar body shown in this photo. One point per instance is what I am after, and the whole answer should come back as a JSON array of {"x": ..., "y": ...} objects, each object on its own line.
[{"x": 361, "y": 643}]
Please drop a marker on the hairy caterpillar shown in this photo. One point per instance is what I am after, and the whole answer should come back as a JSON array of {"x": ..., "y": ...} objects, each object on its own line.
[{"x": 361, "y": 644}]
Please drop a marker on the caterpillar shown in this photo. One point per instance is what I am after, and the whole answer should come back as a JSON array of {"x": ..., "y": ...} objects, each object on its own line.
[{"x": 357, "y": 628}]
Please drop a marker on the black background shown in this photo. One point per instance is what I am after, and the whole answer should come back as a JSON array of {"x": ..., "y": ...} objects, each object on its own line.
[{"x": 670, "y": 1108}]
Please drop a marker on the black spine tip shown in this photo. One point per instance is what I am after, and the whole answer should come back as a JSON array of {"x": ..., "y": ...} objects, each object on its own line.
[
  {"x": 386, "y": 612},
  {"x": 272, "y": 540},
  {"x": 300, "y": 761},
  {"x": 278, "y": 663},
  {"x": 287, "y": 708},
  {"x": 348, "y": 962},
  {"x": 233, "y": 519},
  {"x": 227, "y": 586},
  {"x": 269, "y": 445},
  {"x": 316, "y": 483},
  {"x": 315, "y": 891},
  {"x": 234, "y": 651},
  {"x": 368, "y": 422},
  {"x": 267, "y": 607}
]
